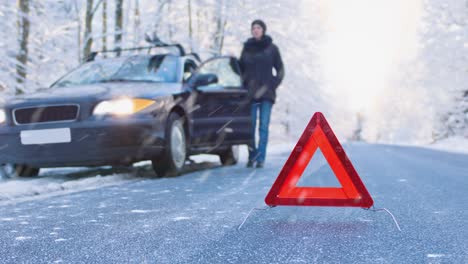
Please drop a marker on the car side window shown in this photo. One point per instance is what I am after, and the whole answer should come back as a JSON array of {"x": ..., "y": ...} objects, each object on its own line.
[{"x": 227, "y": 71}]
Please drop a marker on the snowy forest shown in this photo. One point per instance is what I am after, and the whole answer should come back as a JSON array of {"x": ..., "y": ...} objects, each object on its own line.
[{"x": 381, "y": 71}]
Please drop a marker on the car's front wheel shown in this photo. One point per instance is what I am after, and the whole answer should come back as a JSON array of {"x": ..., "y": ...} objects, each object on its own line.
[
  {"x": 230, "y": 156},
  {"x": 15, "y": 170},
  {"x": 175, "y": 151}
]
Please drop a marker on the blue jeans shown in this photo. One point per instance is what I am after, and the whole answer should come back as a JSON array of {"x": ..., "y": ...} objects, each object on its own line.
[{"x": 258, "y": 153}]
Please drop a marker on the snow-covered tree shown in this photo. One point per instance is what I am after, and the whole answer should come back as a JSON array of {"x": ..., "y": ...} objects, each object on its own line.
[
  {"x": 446, "y": 55},
  {"x": 23, "y": 37}
]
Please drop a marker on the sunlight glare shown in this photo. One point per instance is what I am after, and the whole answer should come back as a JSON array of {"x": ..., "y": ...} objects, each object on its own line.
[{"x": 364, "y": 42}]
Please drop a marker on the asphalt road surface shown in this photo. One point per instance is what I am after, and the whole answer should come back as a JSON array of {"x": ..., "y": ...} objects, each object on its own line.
[{"x": 194, "y": 218}]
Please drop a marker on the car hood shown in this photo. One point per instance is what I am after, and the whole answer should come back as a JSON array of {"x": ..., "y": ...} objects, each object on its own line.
[{"x": 101, "y": 91}]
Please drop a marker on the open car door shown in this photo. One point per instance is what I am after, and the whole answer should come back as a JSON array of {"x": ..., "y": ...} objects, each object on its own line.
[{"x": 223, "y": 117}]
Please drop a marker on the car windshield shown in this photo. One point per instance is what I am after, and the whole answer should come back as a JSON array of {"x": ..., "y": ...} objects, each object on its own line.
[{"x": 159, "y": 68}]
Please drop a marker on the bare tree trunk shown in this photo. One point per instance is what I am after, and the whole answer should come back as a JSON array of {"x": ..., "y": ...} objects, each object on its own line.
[
  {"x": 199, "y": 23},
  {"x": 88, "y": 39},
  {"x": 221, "y": 44},
  {"x": 104, "y": 26},
  {"x": 78, "y": 21},
  {"x": 220, "y": 22},
  {"x": 88, "y": 35},
  {"x": 357, "y": 134},
  {"x": 169, "y": 25},
  {"x": 159, "y": 15},
  {"x": 23, "y": 24},
  {"x": 190, "y": 30},
  {"x": 118, "y": 25},
  {"x": 136, "y": 29}
]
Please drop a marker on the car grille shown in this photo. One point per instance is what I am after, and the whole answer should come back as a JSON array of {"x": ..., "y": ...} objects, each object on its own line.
[{"x": 46, "y": 114}]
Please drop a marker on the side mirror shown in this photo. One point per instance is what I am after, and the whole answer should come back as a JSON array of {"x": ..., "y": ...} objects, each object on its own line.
[{"x": 205, "y": 79}]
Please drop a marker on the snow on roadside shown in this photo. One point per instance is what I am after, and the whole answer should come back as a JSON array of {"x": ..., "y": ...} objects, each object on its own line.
[
  {"x": 274, "y": 148},
  {"x": 453, "y": 144},
  {"x": 19, "y": 190}
]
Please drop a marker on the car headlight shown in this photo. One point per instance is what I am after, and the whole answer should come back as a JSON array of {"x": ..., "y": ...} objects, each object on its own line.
[
  {"x": 2, "y": 116},
  {"x": 122, "y": 107}
]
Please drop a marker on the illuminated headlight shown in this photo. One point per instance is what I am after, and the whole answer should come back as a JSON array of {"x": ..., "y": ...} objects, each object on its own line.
[
  {"x": 2, "y": 116},
  {"x": 122, "y": 107}
]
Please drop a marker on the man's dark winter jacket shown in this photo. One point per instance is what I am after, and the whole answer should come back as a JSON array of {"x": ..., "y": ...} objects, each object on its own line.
[{"x": 257, "y": 61}]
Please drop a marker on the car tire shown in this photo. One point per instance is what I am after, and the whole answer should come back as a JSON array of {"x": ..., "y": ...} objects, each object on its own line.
[
  {"x": 14, "y": 170},
  {"x": 230, "y": 157},
  {"x": 175, "y": 150},
  {"x": 26, "y": 171}
]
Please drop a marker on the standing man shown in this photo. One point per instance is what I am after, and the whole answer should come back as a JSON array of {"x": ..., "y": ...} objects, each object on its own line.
[{"x": 258, "y": 59}]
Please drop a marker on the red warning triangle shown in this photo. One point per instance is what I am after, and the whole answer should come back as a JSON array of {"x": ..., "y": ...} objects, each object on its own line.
[{"x": 318, "y": 134}]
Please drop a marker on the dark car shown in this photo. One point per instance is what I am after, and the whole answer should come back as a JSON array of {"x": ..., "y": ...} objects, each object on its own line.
[{"x": 118, "y": 111}]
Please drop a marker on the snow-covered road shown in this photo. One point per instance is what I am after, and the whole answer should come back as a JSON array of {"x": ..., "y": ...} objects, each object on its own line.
[{"x": 194, "y": 217}]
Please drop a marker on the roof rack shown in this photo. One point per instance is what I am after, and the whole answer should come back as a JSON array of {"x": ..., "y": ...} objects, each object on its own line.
[
  {"x": 195, "y": 55},
  {"x": 179, "y": 47}
]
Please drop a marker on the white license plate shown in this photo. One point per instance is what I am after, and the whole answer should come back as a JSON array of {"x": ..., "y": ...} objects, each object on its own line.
[{"x": 45, "y": 136}]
